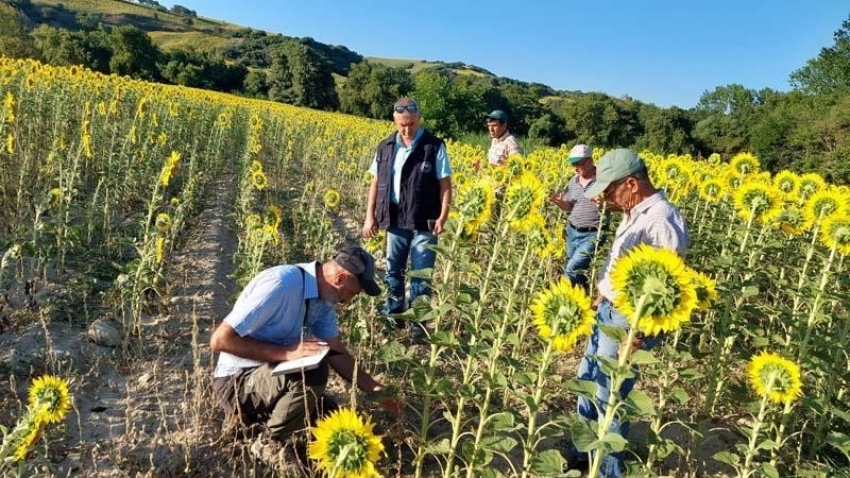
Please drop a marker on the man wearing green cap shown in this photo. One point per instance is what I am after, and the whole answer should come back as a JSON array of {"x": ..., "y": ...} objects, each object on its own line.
[
  {"x": 502, "y": 143},
  {"x": 623, "y": 183}
]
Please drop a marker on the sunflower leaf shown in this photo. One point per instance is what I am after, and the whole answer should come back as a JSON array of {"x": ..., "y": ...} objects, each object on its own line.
[
  {"x": 441, "y": 447},
  {"x": 640, "y": 402},
  {"x": 549, "y": 462},
  {"x": 769, "y": 470},
  {"x": 614, "y": 442},
  {"x": 727, "y": 457},
  {"x": 585, "y": 388},
  {"x": 643, "y": 357},
  {"x": 583, "y": 434},
  {"x": 613, "y": 332}
]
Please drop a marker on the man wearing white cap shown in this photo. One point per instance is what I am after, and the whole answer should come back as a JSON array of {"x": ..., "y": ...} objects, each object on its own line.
[{"x": 585, "y": 223}]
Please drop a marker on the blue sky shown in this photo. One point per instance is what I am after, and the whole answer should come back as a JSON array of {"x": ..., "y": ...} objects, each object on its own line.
[{"x": 663, "y": 52}]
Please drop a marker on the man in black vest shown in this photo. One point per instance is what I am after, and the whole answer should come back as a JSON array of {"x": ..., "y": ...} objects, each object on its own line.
[{"x": 410, "y": 197}]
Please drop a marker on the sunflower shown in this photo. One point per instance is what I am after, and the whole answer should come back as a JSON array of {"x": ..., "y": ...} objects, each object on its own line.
[
  {"x": 345, "y": 446},
  {"x": 48, "y": 395},
  {"x": 745, "y": 163},
  {"x": 256, "y": 166},
  {"x": 169, "y": 168},
  {"x": 273, "y": 216},
  {"x": 159, "y": 250},
  {"x": 714, "y": 158},
  {"x": 524, "y": 197},
  {"x": 562, "y": 314},
  {"x": 163, "y": 222},
  {"x": 775, "y": 377},
  {"x": 705, "y": 289},
  {"x": 25, "y": 443},
  {"x": 653, "y": 285},
  {"x": 835, "y": 232},
  {"x": 475, "y": 203},
  {"x": 756, "y": 200},
  {"x": 787, "y": 182},
  {"x": 331, "y": 198},
  {"x": 259, "y": 180},
  {"x": 810, "y": 183},
  {"x": 790, "y": 220},
  {"x": 712, "y": 191},
  {"x": 821, "y": 204}
]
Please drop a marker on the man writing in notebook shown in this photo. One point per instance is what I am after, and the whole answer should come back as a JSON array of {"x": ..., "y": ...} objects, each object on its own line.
[{"x": 285, "y": 313}]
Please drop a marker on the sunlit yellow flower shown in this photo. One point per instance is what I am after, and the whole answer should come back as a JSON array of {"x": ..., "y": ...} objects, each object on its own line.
[
  {"x": 345, "y": 446},
  {"x": 704, "y": 288},
  {"x": 10, "y": 107},
  {"x": 712, "y": 191},
  {"x": 562, "y": 314},
  {"x": 523, "y": 199},
  {"x": 273, "y": 216},
  {"x": 331, "y": 198},
  {"x": 26, "y": 442},
  {"x": 654, "y": 285},
  {"x": 822, "y": 203},
  {"x": 377, "y": 242},
  {"x": 758, "y": 201},
  {"x": 714, "y": 158},
  {"x": 159, "y": 250},
  {"x": 791, "y": 221},
  {"x": 787, "y": 182},
  {"x": 259, "y": 180},
  {"x": 169, "y": 168},
  {"x": 474, "y": 203},
  {"x": 810, "y": 183},
  {"x": 163, "y": 222},
  {"x": 745, "y": 163},
  {"x": 10, "y": 143},
  {"x": 775, "y": 377},
  {"x": 253, "y": 221},
  {"x": 49, "y": 395},
  {"x": 835, "y": 232}
]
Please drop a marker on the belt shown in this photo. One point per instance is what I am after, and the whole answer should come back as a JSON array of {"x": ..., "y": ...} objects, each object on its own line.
[{"x": 585, "y": 229}]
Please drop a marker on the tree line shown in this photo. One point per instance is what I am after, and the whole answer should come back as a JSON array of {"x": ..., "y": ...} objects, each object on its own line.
[{"x": 804, "y": 129}]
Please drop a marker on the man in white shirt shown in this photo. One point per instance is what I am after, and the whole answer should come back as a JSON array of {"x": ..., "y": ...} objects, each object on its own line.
[{"x": 503, "y": 143}]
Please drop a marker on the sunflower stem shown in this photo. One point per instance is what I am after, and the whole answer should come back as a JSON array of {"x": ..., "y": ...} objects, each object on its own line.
[{"x": 752, "y": 446}]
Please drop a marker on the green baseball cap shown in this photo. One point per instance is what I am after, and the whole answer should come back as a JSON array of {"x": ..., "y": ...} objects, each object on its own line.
[{"x": 614, "y": 166}]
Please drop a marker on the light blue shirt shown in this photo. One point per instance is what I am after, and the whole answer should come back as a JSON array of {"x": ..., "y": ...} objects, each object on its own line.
[
  {"x": 270, "y": 309},
  {"x": 444, "y": 169}
]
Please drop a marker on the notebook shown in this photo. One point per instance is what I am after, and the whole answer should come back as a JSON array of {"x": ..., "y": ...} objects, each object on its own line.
[{"x": 308, "y": 362}]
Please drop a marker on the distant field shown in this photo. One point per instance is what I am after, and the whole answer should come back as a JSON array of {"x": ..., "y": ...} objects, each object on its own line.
[
  {"x": 180, "y": 40},
  {"x": 412, "y": 65},
  {"x": 119, "y": 12}
]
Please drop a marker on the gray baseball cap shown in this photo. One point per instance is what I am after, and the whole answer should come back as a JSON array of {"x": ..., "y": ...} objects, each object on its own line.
[{"x": 357, "y": 261}]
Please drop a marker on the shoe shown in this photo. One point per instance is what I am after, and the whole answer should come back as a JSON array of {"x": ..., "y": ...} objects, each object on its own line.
[{"x": 282, "y": 457}]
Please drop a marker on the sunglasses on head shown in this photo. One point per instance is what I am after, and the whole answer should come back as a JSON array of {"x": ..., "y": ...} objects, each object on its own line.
[{"x": 412, "y": 108}]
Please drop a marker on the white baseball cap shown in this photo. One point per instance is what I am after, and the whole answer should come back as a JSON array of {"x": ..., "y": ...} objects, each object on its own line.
[{"x": 579, "y": 153}]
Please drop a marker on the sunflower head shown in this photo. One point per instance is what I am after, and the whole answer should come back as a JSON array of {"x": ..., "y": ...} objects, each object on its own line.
[
  {"x": 745, "y": 163},
  {"x": 331, "y": 198},
  {"x": 787, "y": 182},
  {"x": 835, "y": 232},
  {"x": 822, "y": 203},
  {"x": 49, "y": 398},
  {"x": 345, "y": 446},
  {"x": 791, "y": 221},
  {"x": 163, "y": 222},
  {"x": 757, "y": 201},
  {"x": 712, "y": 190},
  {"x": 653, "y": 288},
  {"x": 259, "y": 180},
  {"x": 775, "y": 377},
  {"x": 705, "y": 289},
  {"x": 524, "y": 197},
  {"x": 810, "y": 183},
  {"x": 562, "y": 314},
  {"x": 475, "y": 201}
]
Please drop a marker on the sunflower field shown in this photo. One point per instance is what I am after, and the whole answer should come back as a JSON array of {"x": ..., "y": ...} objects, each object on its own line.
[{"x": 104, "y": 177}]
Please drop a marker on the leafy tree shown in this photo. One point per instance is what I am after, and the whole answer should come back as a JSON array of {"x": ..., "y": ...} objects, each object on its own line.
[
  {"x": 448, "y": 109},
  {"x": 665, "y": 130},
  {"x": 312, "y": 82},
  {"x": 371, "y": 88},
  {"x": 133, "y": 54},
  {"x": 724, "y": 117},
  {"x": 256, "y": 85},
  {"x": 550, "y": 129},
  {"x": 829, "y": 73},
  {"x": 15, "y": 41},
  {"x": 279, "y": 79}
]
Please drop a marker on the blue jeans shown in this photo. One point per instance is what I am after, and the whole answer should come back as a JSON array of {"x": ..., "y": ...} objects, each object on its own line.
[
  {"x": 580, "y": 249},
  {"x": 402, "y": 243},
  {"x": 601, "y": 345}
]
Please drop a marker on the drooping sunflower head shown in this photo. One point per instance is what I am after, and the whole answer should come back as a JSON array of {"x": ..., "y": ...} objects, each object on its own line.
[
  {"x": 791, "y": 221},
  {"x": 745, "y": 163},
  {"x": 273, "y": 216},
  {"x": 775, "y": 377},
  {"x": 810, "y": 183},
  {"x": 345, "y": 446},
  {"x": 705, "y": 289},
  {"x": 475, "y": 201},
  {"x": 256, "y": 166},
  {"x": 757, "y": 201},
  {"x": 259, "y": 180},
  {"x": 712, "y": 191},
  {"x": 562, "y": 314},
  {"x": 835, "y": 232},
  {"x": 331, "y": 198},
  {"x": 523, "y": 199},
  {"x": 714, "y": 158},
  {"x": 652, "y": 286},
  {"x": 49, "y": 398},
  {"x": 163, "y": 222},
  {"x": 788, "y": 182},
  {"x": 821, "y": 204}
]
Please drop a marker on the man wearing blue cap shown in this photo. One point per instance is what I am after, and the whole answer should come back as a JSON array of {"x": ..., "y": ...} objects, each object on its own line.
[
  {"x": 503, "y": 143},
  {"x": 623, "y": 183}
]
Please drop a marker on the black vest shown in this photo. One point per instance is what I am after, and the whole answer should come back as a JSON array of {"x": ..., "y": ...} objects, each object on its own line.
[{"x": 419, "y": 197}]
